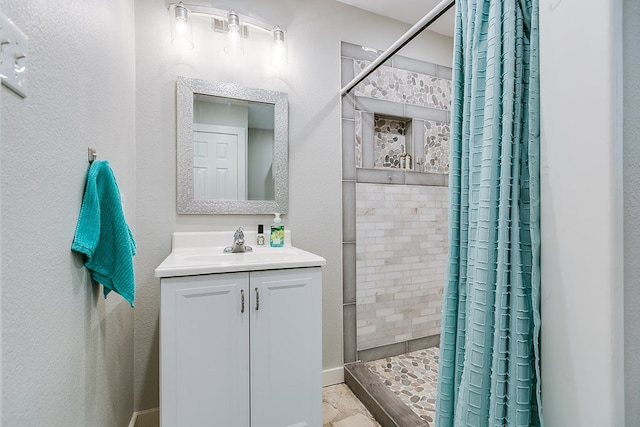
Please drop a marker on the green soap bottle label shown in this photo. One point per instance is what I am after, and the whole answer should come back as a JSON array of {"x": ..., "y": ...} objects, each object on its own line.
[{"x": 277, "y": 236}]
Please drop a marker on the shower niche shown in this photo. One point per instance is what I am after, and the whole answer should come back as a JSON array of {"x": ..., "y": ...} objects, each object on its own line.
[
  {"x": 407, "y": 143},
  {"x": 395, "y": 145},
  {"x": 391, "y": 148}
]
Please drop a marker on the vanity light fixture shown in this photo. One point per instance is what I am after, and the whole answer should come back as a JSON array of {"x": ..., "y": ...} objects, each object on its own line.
[{"x": 234, "y": 26}]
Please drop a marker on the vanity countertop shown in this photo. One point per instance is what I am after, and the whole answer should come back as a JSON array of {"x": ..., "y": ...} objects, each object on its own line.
[{"x": 195, "y": 253}]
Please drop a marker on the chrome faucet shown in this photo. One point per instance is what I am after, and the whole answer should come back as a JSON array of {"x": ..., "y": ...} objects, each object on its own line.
[{"x": 238, "y": 243}]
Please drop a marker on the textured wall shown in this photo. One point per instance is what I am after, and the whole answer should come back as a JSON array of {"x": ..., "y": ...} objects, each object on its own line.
[
  {"x": 312, "y": 81},
  {"x": 401, "y": 252},
  {"x": 632, "y": 211},
  {"x": 67, "y": 352},
  {"x": 581, "y": 215}
]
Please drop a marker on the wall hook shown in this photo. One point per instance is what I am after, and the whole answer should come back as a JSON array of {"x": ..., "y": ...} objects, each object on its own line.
[{"x": 92, "y": 154}]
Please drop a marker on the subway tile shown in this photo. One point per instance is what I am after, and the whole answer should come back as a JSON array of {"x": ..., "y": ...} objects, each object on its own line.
[
  {"x": 349, "y": 332},
  {"x": 346, "y": 70},
  {"x": 410, "y": 64},
  {"x": 380, "y": 106},
  {"x": 348, "y": 106},
  {"x": 380, "y": 176},
  {"x": 447, "y": 118},
  {"x": 394, "y": 318},
  {"x": 403, "y": 337},
  {"x": 366, "y": 128},
  {"x": 424, "y": 342},
  {"x": 382, "y": 351},
  {"x": 420, "y": 112},
  {"x": 355, "y": 51},
  {"x": 401, "y": 288},
  {"x": 425, "y": 178},
  {"x": 417, "y": 137},
  {"x": 348, "y": 150},
  {"x": 348, "y": 211},
  {"x": 366, "y": 330},
  {"x": 416, "y": 320},
  {"x": 349, "y": 273},
  {"x": 444, "y": 72}
]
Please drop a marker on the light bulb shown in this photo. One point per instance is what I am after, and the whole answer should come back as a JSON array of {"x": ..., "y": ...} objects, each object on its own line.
[
  {"x": 279, "y": 48},
  {"x": 233, "y": 41},
  {"x": 181, "y": 28}
]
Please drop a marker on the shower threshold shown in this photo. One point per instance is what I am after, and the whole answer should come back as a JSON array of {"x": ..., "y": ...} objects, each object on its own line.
[{"x": 399, "y": 391}]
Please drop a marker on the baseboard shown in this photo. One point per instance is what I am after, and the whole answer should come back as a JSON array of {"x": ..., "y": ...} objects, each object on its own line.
[
  {"x": 332, "y": 376},
  {"x": 146, "y": 418}
]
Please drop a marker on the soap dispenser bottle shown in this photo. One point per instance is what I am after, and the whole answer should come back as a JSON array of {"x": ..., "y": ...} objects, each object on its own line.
[
  {"x": 260, "y": 236},
  {"x": 277, "y": 232}
]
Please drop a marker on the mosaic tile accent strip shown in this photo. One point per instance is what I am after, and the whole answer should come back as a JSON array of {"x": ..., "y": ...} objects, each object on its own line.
[
  {"x": 401, "y": 251},
  {"x": 407, "y": 87},
  {"x": 436, "y": 146},
  {"x": 413, "y": 377},
  {"x": 389, "y": 142},
  {"x": 358, "y": 125}
]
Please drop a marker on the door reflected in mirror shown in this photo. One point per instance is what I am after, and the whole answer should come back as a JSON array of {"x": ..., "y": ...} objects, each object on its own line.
[{"x": 232, "y": 149}]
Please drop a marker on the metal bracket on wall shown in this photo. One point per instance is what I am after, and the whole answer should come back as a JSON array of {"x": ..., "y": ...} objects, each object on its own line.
[
  {"x": 13, "y": 56},
  {"x": 92, "y": 154}
]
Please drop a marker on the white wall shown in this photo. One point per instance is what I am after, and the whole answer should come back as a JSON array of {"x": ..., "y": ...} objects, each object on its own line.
[
  {"x": 631, "y": 211},
  {"x": 1, "y": 350},
  {"x": 582, "y": 376},
  {"x": 67, "y": 352},
  {"x": 312, "y": 81},
  {"x": 260, "y": 184}
]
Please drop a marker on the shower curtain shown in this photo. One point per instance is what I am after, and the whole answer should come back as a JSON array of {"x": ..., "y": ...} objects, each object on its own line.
[{"x": 489, "y": 355}]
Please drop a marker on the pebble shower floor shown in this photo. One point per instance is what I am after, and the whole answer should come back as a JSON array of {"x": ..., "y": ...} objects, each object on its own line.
[{"x": 413, "y": 377}]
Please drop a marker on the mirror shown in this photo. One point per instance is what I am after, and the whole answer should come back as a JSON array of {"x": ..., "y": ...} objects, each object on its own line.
[{"x": 232, "y": 149}]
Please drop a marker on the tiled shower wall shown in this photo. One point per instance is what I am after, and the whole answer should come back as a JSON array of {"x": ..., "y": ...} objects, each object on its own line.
[
  {"x": 401, "y": 252},
  {"x": 428, "y": 97},
  {"x": 394, "y": 220}
]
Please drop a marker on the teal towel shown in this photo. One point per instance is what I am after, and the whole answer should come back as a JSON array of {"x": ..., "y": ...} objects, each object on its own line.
[{"x": 103, "y": 235}]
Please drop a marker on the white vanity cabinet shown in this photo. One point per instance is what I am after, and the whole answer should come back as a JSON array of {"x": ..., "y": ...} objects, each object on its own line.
[{"x": 242, "y": 349}]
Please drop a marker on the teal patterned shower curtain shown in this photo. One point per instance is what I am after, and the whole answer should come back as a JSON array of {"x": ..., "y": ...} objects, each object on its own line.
[{"x": 489, "y": 371}]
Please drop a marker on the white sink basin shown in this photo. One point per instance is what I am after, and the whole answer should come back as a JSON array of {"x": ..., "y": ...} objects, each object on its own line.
[{"x": 201, "y": 253}]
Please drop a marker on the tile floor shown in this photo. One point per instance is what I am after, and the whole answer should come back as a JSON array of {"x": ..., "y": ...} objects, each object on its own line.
[
  {"x": 341, "y": 408},
  {"x": 413, "y": 377}
]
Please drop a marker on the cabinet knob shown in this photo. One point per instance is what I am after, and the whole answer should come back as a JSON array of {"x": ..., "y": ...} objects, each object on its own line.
[
  {"x": 242, "y": 301},
  {"x": 257, "y": 300}
]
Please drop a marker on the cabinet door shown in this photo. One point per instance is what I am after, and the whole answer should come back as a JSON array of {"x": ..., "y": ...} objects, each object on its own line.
[
  {"x": 204, "y": 351},
  {"x": 286, "y": 348}
]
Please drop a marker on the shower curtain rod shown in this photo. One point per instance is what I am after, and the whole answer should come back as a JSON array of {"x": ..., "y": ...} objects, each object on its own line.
[{"x": 421, "y": 25}]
